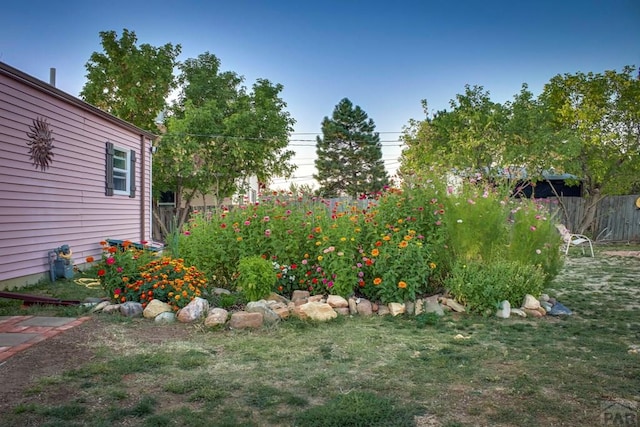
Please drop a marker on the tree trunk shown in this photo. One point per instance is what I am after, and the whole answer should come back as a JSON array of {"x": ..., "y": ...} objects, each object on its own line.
[{"x": 587, "y": 222}]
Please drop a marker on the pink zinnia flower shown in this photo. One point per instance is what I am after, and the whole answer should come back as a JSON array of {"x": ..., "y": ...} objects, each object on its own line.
[
  {"x": 267, "y": 232},
  {"x": 110, "y": 261}
]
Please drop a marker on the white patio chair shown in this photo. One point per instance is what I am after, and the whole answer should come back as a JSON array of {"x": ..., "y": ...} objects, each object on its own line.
[{"x": 570, "y": 238}]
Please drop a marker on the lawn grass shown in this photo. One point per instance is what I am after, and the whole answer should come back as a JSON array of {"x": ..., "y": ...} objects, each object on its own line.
[{"x": 359, "y": 371}]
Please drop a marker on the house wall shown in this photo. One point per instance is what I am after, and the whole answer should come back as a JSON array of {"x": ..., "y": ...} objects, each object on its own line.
[{"x": 66, "y": 204}]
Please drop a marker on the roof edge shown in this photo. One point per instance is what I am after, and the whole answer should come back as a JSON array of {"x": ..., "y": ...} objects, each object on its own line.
[{"x": 45, "y": 87}]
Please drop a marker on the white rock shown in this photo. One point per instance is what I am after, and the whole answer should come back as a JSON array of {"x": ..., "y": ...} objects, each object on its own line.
[
  {"x": 518, "y": 312},
  {"x": 195, "y": 310},
  {"x": 505, "y": 310},
  {"x": 155, "y": 307}
]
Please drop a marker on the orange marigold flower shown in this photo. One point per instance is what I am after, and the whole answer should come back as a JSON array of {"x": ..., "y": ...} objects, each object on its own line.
[
  {"x": 402, "y": 284},
  {"x": 103, "y": 243},
  {"x": 386, "y": 238},
  {"x": 375, "y": 252},
  {"x": 89, "y": 259},
  {"x": 377, "y": 281},
  {"x": 112, "y": 250},
  {"x": 378, "y": 244},
  {"x": 403, "y": 244}
]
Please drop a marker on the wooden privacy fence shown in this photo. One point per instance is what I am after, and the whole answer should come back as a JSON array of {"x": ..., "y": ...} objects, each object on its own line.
[{"x": 617, "y": 217}]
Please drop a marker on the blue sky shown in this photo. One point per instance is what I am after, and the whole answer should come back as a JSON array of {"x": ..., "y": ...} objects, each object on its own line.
[{"x": 385, "y": 56}]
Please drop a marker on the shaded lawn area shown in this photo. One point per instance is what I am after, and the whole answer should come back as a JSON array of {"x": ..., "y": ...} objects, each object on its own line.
[{"x": 353, "y": 371}]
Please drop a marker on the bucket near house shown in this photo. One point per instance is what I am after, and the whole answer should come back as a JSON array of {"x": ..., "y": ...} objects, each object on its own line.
[{"x": 60, "y": 263}]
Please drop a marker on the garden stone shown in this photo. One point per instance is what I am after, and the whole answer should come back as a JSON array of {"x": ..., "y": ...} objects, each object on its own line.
[
  {"x": 409, "y": 307},
  {"x": 299, "y": 295},
  {"x": 93, "y": 300},
  {"x": 545, "y": 305},
  {"x": 217, "y": 317},
  {"x": 504, "y": 310},
  {"x": 552, "y": 301},
  {"x": 342, "y": 311},
  {"x": 318, "y": 311},
  {"x": 432, "y": 306},
  {"x": 383, "y": 310},
  {"x": 154, "y": 308},
  {"x": 277, "y": 297},
  {"x": 165, "y": 317},
  {"x": 518, "y": 312},
  {"x": 559, "y": 309},
  {"x": 375, "y": 307},
  {"x": 111, "y": 309},
  {"x": 100, "y": 306},
  {"x": 195, "y": 310},
  {"x": 530, "y": 302},
  {"x": 364, "y": 307},
  {"x": 263, "y": 307},
  {"x": 281, "y": 310},
  {"x": 455, "y": 306},
  {"x": 353, "y": 306},
  {"x": 533, "y": 313},
  {"x": 220, "y": 291},
  {"x": 396, "y": 308},
  {"x": 316, "y": 298},
  {"x": 420, "y": 304},
  {"x": 244, "y": 320},
  {"x": 544, "y": 298},
  {"x": 131, "y": 309},
  {"x": 336, "y": 301}
]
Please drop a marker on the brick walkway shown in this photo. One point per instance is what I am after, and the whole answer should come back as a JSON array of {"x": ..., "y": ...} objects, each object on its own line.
[{"x": 18, "y": 333}]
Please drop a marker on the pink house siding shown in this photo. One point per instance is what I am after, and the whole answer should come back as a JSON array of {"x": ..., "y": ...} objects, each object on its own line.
[{"x": 65, "y": 204}]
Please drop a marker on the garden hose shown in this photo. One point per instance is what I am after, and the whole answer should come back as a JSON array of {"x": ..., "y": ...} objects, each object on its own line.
[{"x": 88, "y": 282}]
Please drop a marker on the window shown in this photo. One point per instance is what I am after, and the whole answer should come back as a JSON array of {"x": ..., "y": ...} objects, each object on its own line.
[
  {"x": 167, "y": 198},
  {"x": 120, "y": 171}
]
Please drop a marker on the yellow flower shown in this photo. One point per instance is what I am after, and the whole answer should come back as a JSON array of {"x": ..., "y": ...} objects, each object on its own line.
[
  {"x": 402, "y": 285},
  {"x": 432, "y": 265},
  {"x": 320, "y": 257},
  {"x": 386, "y": 238},
  {"x": 343, "y": 239},
  {"x": 377, "y": 281},
  {"x": 400, "y": 221},
  {"x": 412, "y": 232},
  {"x": 407, "y": 237},
  {"x": 318, "y": 243},
  {"x": 239, "y": 238}
]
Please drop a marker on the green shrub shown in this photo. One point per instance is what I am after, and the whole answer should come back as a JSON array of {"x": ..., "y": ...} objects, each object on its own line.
[
  {"x": 481, "y": 286},
  {"x": 256, "y": 277}
]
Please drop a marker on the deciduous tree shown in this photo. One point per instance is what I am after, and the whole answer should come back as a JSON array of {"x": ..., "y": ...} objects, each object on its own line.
[{"x": 129, "y": 81}]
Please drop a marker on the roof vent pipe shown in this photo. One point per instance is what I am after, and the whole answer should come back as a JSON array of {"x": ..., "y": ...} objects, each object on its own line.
[{"x": 52, "y": 77}]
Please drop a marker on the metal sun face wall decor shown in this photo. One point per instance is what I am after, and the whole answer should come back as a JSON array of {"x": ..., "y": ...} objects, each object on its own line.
[{"x": 40, "y": 143}]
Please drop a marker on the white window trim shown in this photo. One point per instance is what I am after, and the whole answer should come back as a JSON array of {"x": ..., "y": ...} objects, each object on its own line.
[{"x": 127, "y": 171}]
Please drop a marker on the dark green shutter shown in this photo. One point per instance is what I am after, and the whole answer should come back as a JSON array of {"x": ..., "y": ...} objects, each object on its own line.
[
  {"x": 132, "y": 174},
  {"x": 109, "y": 170}
]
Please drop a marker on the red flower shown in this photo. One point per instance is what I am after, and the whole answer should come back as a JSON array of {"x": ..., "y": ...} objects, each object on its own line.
[{"x": 101, "y": 272}]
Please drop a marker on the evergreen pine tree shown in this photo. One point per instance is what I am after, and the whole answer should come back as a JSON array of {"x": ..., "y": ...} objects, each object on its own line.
[{"x": 349, "y": 154}]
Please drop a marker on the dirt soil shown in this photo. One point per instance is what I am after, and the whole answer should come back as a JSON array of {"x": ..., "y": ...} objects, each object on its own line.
[{"x": 61, "y": 353}]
